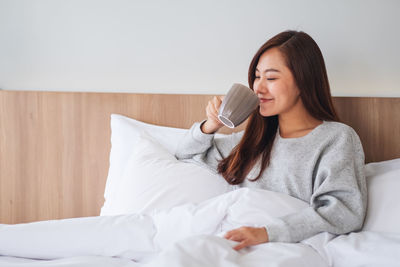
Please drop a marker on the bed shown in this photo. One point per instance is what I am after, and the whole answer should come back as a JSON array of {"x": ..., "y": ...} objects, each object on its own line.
[{"x": 60, "y": 151}]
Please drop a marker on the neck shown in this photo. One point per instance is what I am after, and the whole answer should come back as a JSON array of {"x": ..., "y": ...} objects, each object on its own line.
[{"x": 297, "y": 121}]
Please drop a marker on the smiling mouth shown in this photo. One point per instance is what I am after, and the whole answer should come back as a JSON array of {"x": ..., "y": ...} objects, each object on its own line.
[{"x": 265, "y": 100}]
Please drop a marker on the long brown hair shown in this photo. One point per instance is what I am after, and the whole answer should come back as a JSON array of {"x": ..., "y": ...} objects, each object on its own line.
[{"x": 305, "y": 61}]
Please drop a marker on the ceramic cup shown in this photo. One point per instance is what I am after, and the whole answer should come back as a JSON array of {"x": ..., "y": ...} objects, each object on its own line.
[{"x": 237, "y": 105}]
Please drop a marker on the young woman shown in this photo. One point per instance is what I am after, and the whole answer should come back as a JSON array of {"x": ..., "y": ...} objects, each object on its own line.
[{"x": 292, "y": 144}]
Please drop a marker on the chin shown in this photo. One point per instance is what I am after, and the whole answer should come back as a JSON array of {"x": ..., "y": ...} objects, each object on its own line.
[{"x": 266, "y": 112}]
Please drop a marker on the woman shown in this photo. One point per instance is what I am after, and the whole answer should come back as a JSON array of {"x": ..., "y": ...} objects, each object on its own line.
[{"x": 292, "y": 144}]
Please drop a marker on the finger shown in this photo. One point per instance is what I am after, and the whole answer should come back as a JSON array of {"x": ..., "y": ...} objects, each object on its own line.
[
  {"x": 214, "y": 117},
  {"x": 211, "y": 116},
  {"x": 238, "y": 237},
  {"x": 231, "y": 233},
  {"x": 241, "y": 245},
  {"x": 214, "y": 107},
  {"x": 217, "y": 101},
  {"x": 210, "y": 110},
  {"x": 228, "y": 234}
]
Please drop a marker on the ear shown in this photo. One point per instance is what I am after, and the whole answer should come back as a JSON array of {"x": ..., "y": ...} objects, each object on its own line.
[{"x": 298, "y": 92}]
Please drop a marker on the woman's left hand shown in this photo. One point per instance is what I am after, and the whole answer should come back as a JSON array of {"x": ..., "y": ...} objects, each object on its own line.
[{"x": 247, "y": 236}]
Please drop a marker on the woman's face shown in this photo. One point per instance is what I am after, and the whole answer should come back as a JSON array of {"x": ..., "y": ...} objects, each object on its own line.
[{"x": 274, "y": 84}]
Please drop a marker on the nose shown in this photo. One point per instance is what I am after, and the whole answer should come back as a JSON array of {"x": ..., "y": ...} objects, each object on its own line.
[{"x": 260, "y": 86}]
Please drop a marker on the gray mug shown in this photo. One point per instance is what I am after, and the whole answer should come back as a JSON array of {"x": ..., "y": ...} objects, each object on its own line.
[{"x": 237, "y": 105}]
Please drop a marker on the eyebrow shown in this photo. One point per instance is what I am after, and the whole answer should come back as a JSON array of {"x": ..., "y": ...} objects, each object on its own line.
[{"x": 267, "y": 70}]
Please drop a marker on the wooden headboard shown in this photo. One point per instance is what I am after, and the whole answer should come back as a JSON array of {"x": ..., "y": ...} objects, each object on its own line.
[{"x": 54, "y": 146}]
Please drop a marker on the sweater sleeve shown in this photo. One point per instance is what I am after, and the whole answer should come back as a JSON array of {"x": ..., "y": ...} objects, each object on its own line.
[
  {"x": 338, "y": 202},
  {"x": 205, "y": 149}
]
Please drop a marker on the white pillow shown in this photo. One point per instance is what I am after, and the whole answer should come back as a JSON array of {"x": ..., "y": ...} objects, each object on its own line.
[
  {"x": 383, "y": 213},
  {"x": 376, "y": 168},
  {"x": 124, "y": 136},
  {"x": 154, "y": 180}
]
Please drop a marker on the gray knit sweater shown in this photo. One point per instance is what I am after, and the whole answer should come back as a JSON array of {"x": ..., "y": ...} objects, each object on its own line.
[{"x": 325, "y": 168}]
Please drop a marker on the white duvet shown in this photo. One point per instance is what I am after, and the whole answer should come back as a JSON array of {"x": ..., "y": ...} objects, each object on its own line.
[{"x": 188, "y": 235}]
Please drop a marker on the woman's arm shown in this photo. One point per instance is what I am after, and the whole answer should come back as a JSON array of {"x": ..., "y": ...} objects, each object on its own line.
[
  {"x": 206, "y": 149},
  {"x": 199, "y": 143},
  {"x": 338, "y": 203}
]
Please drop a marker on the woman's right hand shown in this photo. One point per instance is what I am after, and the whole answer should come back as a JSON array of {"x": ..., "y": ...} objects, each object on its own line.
[{"x": 212, "y": 124}]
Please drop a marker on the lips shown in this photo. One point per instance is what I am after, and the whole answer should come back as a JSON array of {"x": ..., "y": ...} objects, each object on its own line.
[{"x": 265, "y": 100}]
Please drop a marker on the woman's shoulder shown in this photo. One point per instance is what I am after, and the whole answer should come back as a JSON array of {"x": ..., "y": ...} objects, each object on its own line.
[
  {"x": 340, "y": 134},
  {"x": 340, "y": 143},
  {"x": 338, "y": 129}
]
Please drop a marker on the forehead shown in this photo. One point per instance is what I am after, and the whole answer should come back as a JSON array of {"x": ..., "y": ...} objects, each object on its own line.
[{"x": 271, "y": 59}]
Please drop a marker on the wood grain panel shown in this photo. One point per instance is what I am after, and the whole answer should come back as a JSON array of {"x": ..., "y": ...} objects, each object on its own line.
[
  {"x": 54, "y": 146},
  {"x": 377, "y": 122}
]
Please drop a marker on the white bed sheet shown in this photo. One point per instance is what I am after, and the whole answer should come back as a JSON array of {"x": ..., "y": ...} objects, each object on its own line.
[
  {"x": 353, "y": 250},
  {"x": 206, "y": 250},
  {"x": 196, "y": 251},
  {"x": 189, "y": 235},
  {"x": 83, "y": 261},
  {"x": 364, "y": 249},
  {"x": 367, "y": 249}
]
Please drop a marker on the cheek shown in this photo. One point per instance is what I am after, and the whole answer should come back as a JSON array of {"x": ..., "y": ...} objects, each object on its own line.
[
  {"x": 274, "y": 88},
  {"x": 277, "y": 90},
  {"x": 283, "y": 91},
  {"x": 255, "y": 86},
  {"x": 284, "y": 98}
]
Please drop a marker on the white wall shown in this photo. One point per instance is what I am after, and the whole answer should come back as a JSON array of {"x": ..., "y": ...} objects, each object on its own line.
[{"x": 200, "y": 47}]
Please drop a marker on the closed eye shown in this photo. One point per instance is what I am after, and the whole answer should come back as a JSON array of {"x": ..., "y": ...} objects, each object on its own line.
[{"x": 269, "y": 79}]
